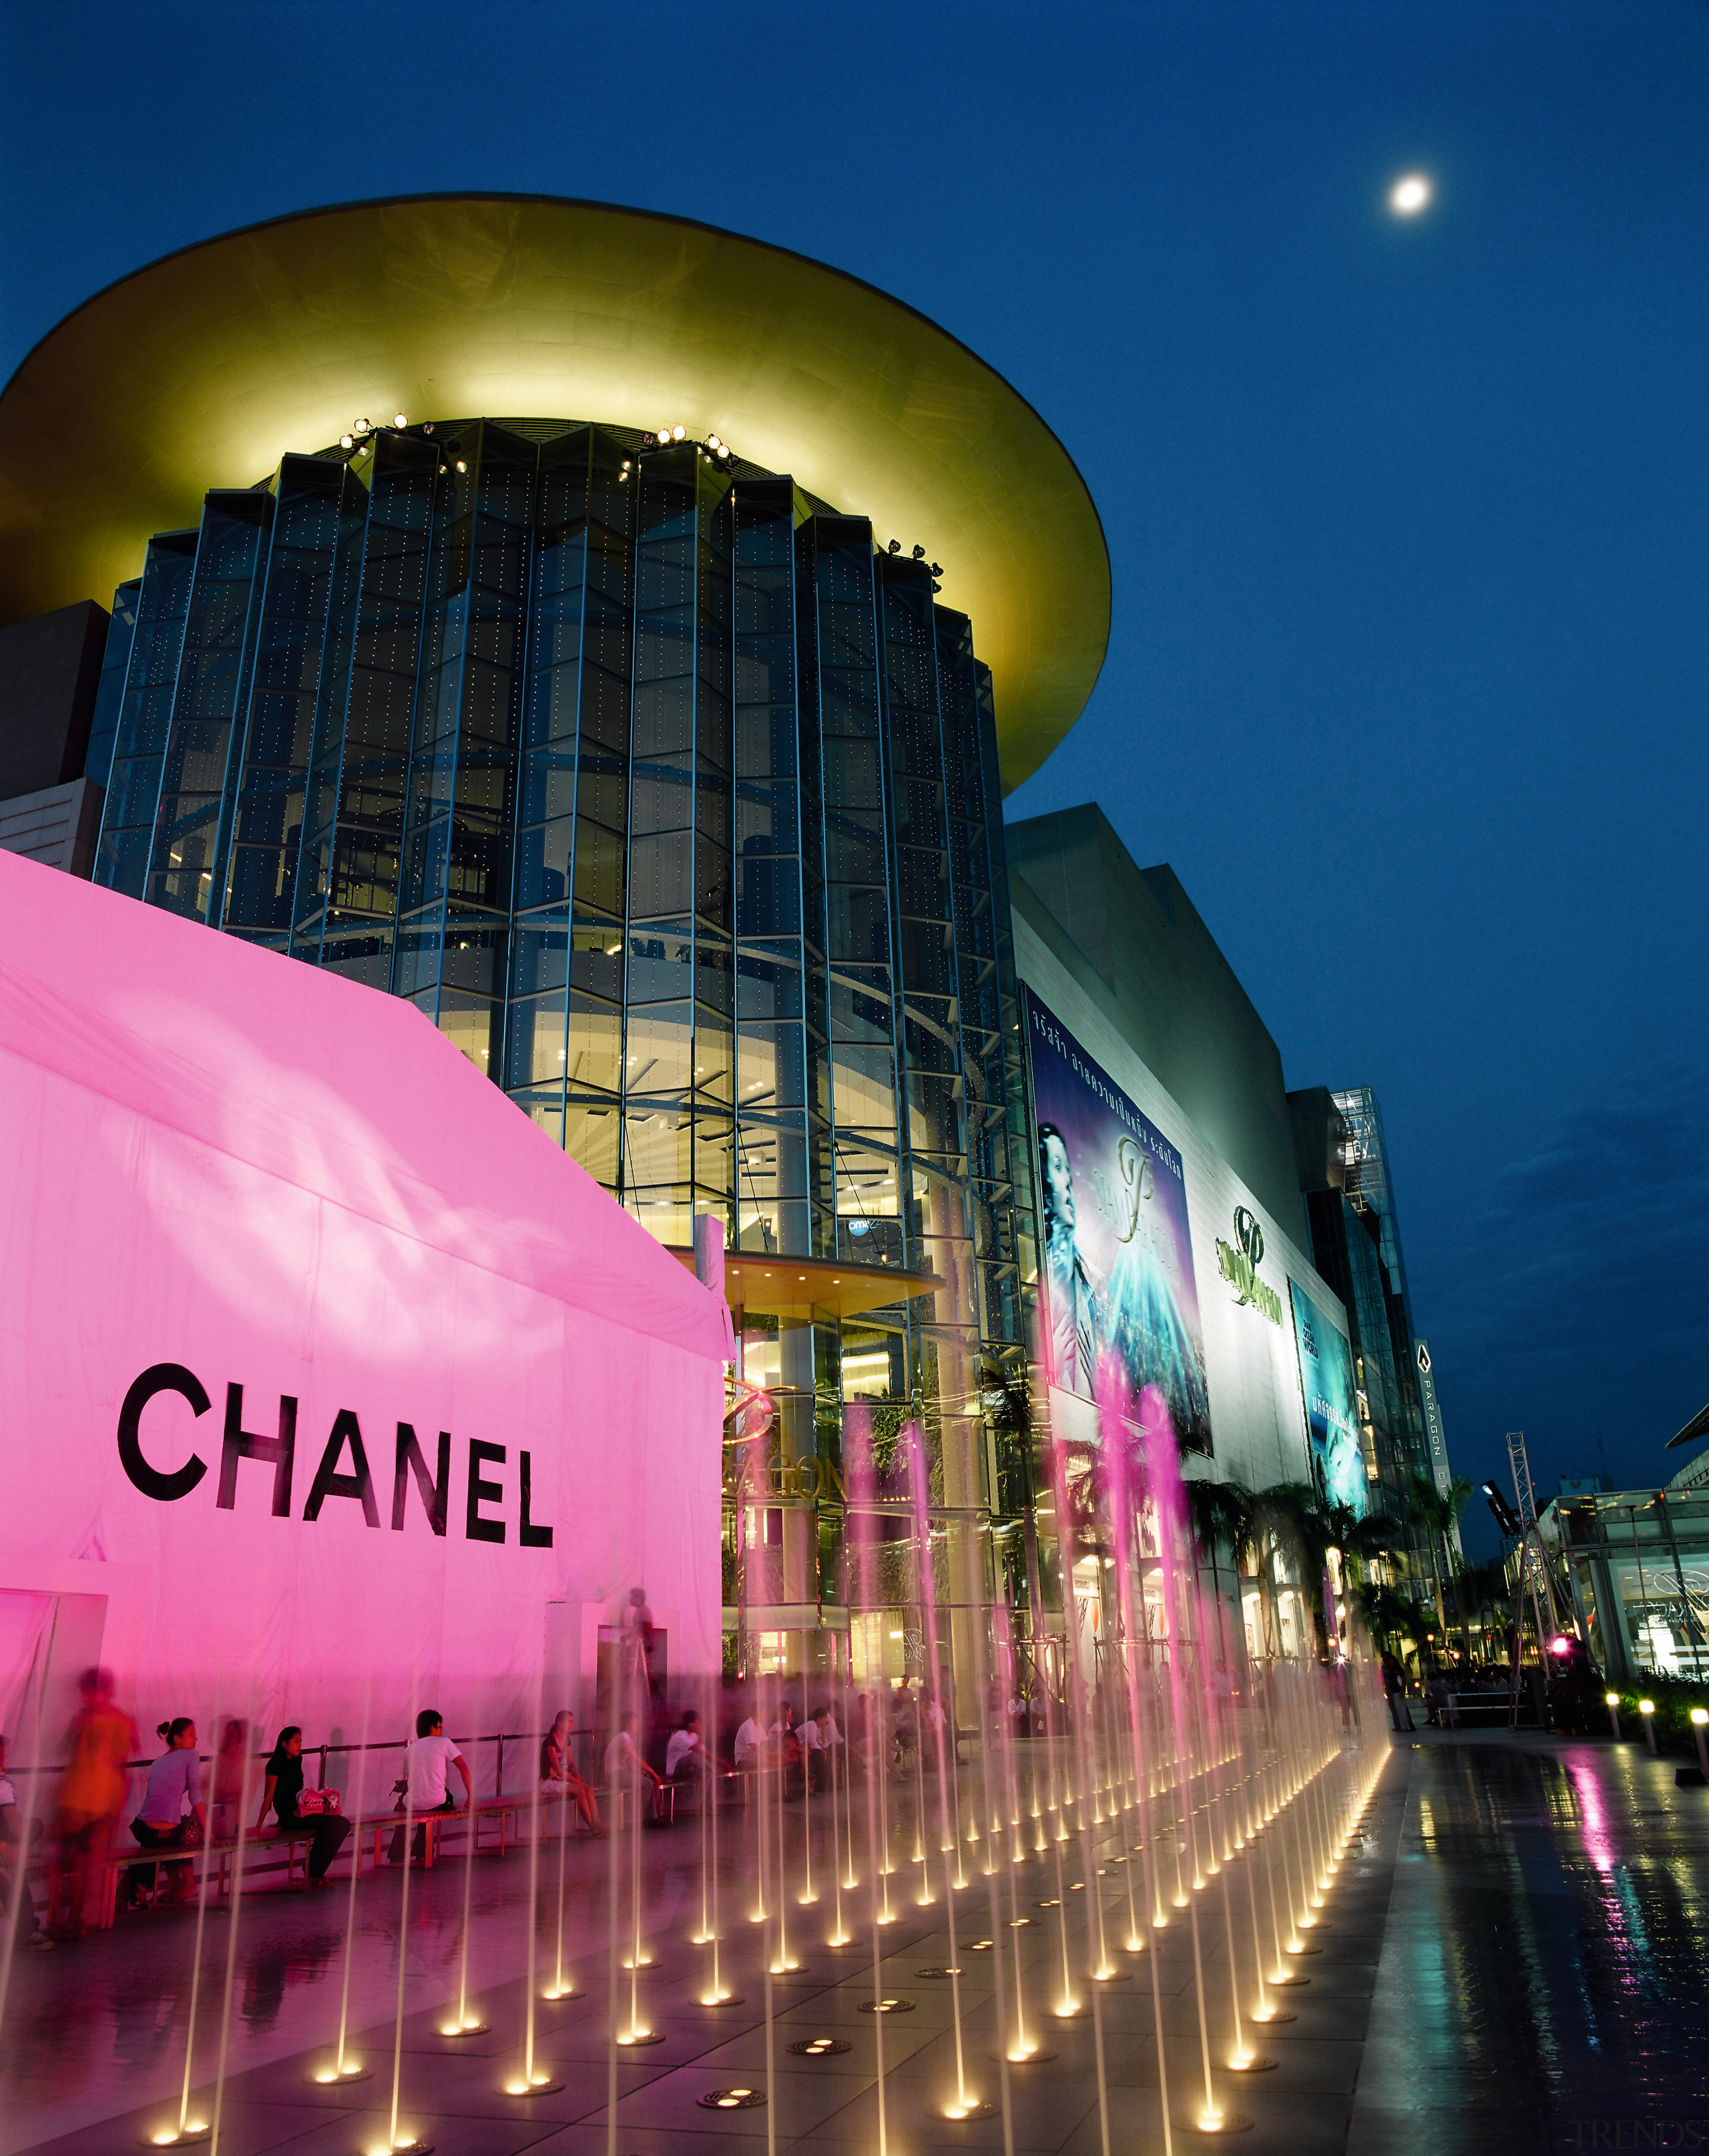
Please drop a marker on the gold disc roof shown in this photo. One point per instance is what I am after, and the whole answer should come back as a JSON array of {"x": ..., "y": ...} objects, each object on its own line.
[{"x": 204, "y": 368}]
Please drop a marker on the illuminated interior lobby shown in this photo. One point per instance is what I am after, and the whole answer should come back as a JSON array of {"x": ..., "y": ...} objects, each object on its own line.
[{"x": 616, "y": 636}]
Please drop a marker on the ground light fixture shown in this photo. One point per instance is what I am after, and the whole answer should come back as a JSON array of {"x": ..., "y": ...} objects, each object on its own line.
[
  {"x": 468, "y": 2026},
  {"x": 1700, "y": 1720},
  {"x": 1611, "y": 1701},
  {"x": 1646, "y": 1707},
  {"x": 820, "y": 2047},
  {"x": 731, "y": 2099},
  {"x": 532, "y": 2085},
  {"x": 1214, "y": 2120}
]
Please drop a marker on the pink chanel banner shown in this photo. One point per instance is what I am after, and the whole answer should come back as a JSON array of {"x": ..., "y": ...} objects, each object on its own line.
[{"x": 348, "y": 1389}]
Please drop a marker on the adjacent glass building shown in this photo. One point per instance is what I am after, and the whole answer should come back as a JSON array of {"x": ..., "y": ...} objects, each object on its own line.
[
  {"x": 673, "y": 801},
  {"x": 1343, "y": 1166}
]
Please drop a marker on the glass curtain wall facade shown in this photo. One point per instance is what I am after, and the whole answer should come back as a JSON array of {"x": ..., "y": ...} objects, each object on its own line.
[
  {"x": 1636, "y": 1566},
  {"x": 673, "y": 802}
]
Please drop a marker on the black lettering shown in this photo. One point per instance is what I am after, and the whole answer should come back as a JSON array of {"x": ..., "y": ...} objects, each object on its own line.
[
  {"x": 154, "y": 1482},
  {"x": 434, "y": 1490},
  {"x": 481, "y": 1492},
  {"x": 241, "y": 1444},
  {"x": 529, "y": 1536},
  {"x": 328, "y": 1482}
]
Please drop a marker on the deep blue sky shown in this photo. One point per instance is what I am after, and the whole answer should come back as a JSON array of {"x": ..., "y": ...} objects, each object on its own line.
[{"x": 1408, "y": 522}]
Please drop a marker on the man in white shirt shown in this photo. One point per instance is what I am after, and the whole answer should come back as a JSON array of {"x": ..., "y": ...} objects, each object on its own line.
[
  {"x": 427, "y": 1763},
  {"x": 684, "y": 1756},
  {"x": 752, "y": 1740},
  {"x": 815, "y": 1746}
]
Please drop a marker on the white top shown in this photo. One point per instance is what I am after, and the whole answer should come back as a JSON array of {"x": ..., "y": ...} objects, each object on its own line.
[
  {"x": 750, "y": 1738},
  {"x": 426, "y": 1762},
  {"x": 9, "y": 1795},
  {"x": 810, "y": 1739},
  {"x": 619, "y": 1756},
  {"x": 833, "y": 1734},
  {"x": 682, "y": 1742}
]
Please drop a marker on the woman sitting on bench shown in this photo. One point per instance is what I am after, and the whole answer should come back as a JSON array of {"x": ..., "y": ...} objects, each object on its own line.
[
  {"x": 558, "y": 1772},
  {"x": 281, "y": 1791},
  {"x": 174, "y": 1790}
]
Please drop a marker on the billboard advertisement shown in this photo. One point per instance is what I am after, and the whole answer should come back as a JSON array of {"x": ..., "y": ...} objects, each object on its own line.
[
  {"x": 1115, "y": 1272},
  {"x": 1331, "y": 1410}
]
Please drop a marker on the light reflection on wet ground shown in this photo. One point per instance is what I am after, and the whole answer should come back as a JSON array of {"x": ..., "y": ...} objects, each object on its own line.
[{"x": 1542, "y": 1978}]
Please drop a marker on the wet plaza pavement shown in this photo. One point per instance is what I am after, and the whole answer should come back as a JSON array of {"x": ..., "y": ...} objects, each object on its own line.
[{"x": 1510, "y": 1958}]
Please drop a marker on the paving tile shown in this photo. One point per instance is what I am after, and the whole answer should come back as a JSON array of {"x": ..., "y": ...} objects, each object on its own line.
[{"x": 245, "y": 2128}]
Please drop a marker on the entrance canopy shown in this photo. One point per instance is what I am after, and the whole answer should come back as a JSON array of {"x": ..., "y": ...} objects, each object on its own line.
[{"x": 347, "y": 1389}]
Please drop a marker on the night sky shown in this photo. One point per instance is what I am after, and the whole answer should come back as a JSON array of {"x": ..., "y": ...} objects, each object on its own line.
[{"x": 1408, "y": 672}]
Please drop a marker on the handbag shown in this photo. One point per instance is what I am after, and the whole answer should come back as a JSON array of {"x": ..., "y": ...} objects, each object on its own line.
[
  {"x": 189, "y": 1833},
  {"x": 312, "y": 1803}
]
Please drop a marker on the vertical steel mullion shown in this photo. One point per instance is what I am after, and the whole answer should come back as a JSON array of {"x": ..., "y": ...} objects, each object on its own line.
[
  {"x": 337, "y": 709},
  {"x": 423, "y": 615},
  {"x": 327, "y": 697},
  {"x": 123, "y": 692},
  {"x": 899, "y": 1017},
  {"x": 242, "y": 712},
  {"x": 575, "y": 790},
  {"x": 633, "y": 578},
  {"x": 498, "y": 1062},
  {"x": 160, "y": 776}
]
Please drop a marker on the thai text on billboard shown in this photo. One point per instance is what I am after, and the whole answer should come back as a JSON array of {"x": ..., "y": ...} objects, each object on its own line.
[
  {"x": 1115, "y": 1260},
  {"x": 1326, "y": 1382}
]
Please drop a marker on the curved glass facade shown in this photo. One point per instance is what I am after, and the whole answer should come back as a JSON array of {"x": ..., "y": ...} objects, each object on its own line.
[{"x": 673, "y": 801}]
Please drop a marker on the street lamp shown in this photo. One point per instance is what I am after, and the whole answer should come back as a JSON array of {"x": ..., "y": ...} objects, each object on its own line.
[{"x": 1646, "y": 1707}]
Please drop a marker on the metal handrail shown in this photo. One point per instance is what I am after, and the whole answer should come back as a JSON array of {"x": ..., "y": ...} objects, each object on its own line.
[{"x": 499, "y": 1738}]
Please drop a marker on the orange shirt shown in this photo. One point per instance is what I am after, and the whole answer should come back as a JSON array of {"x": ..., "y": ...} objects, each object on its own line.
[{"x": 94, "y": 1783}]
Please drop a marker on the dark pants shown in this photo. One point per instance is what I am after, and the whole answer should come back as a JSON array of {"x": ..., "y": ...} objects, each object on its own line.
[
  {"x": 143, "y": 1876},
  {"x": 394, "y": 1848},
  {"x": 1398, "y": 1707},
  {"x": 328, "y": 1832}
]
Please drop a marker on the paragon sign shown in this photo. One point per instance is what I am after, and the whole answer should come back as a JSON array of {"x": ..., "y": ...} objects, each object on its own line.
[{"x": 1240, "y": 1267}]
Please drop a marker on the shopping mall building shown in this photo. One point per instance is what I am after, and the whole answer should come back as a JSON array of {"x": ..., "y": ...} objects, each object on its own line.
[{"x": 616, "y": 638}]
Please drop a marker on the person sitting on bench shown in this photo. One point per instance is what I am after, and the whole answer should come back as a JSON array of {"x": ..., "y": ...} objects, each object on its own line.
[
  {"x": 426, "y": 1765},
  {"x": 172, "y": 1800},
  {"x": 753, "y": 1744},
  {"x": 624, "y": 1767},
  {"x": 16, "y": 1900},
  {"x": 281, "y": 1791},
  {"x": 686, "y": 1759},
  {"x": 558, "y": 1772}
]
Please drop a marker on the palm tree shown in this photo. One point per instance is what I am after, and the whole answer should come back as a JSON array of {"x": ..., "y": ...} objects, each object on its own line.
[
  {"x": 1219, "y": 1512},
  {"x": 1286, "y": 1514},
  {"x": 1436, "y": 1513},
  {"x": 1295, "y": 1512}
]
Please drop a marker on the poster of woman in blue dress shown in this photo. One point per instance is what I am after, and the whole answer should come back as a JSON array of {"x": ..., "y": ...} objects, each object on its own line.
[{"x": 1116, "y": 1257}]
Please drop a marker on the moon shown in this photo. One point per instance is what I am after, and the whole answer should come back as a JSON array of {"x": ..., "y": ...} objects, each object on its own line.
[{"x": 1410, "y": 194}]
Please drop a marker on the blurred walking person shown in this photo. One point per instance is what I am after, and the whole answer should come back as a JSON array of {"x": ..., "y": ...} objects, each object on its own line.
[{"x": 98, "y": 1746}]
